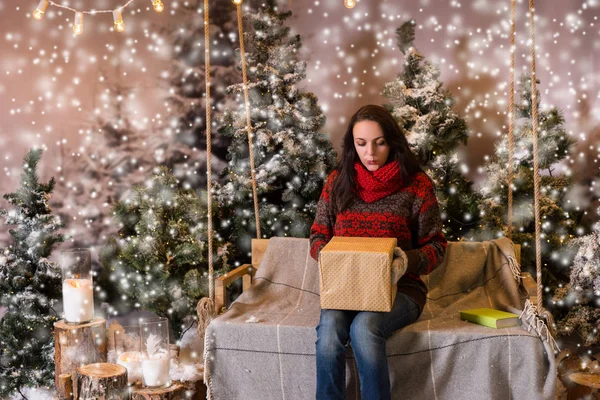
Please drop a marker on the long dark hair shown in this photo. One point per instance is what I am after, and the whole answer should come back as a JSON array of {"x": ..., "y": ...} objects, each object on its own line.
[{"x": 344, "y": 188}]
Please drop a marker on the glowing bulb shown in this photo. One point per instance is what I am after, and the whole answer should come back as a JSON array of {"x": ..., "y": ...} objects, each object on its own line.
[
  {"x": 158, "y": 5},
  {"x": 237, "y": 2},
  {"x": 78, "y": 24},
  {"x": 118, "y": 17},
  {"x": 349, "y": 3},
  {"x": 41, "y": 9}
]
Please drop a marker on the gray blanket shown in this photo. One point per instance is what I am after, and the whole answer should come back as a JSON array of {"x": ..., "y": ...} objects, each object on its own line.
[{"x": 437, "y": 357}]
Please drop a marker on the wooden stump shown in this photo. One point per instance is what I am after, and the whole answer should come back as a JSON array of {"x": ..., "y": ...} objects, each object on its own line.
[
  {"x": 588, "y": 380},
  {"x": 77, "y": 345},
  {"x": 102, "y": 381},
  {"x": 64, "y": 387},
  {"x": 174, "y": 392}
]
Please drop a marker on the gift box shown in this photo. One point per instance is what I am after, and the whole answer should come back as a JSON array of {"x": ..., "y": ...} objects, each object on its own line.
[{"x": 356, "y": 274}]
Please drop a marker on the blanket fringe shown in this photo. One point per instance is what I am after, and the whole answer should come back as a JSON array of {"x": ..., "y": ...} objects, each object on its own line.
[
  {"x": 532, "y": 319},
  {"x": 515, "y": 268},
  {"x": 513, "y": 264}
]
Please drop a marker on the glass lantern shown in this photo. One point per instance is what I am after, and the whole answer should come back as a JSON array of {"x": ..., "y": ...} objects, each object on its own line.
[
  {"x": 77, "y": 287},
  {"x": 155, "y": 347},
  {"x": 128, "y": 351}
]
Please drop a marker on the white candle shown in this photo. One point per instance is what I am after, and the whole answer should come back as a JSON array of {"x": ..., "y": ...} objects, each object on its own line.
[
  {"x": 132, "y": 360},
  {"x": 78, "y": 300},
  {"x": 156, "y": 370}
]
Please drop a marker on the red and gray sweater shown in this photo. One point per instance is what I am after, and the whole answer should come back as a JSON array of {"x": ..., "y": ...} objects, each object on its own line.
[{"x": 411, "y": 215}]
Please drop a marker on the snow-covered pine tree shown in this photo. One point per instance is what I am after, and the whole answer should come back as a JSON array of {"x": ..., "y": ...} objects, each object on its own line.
[
  {"x": 580, "y": 298},
  {"x": 30, "y": 285},
  {"x": 115, "y": 155},
  {"x": 559, "y": 221},
  {"x": 423, "y": 108},
  {"x": 292, "y": 156},
  {"x": 187, "y": 99},
  {"x": 158, "y": 260}
]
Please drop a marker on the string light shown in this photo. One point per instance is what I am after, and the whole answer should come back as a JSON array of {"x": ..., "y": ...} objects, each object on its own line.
[
  {"x": 349, "y": 3},
  {"x": 41, "y": 9},
  {"x": 78, "y": 24},
  {"x": 119, "y": 23},
  {"x": 158, "y": 6}
]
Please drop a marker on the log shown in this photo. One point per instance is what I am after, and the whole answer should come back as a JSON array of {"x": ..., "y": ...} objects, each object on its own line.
[
  {"x": 102, "y": 381},
  {"x": 174, "y": 392},
  {"x": 64, "y": 387},
  {"x": 76, "y": 345}
]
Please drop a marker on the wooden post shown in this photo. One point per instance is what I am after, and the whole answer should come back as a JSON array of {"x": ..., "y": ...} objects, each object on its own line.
[
  {"x": 174, "y": 392},
  {"x": 77, "y": 345},
  {"x": 102, "y": 381}
]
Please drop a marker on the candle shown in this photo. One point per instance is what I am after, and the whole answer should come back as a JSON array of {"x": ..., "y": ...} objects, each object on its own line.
[
  {"x": 132, "y": 360},
  {"x": 156, "y": 370},
  {"x": 78, "y": 300}
]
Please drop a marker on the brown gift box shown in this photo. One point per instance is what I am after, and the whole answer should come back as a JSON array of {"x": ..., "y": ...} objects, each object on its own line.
[{"x": 356, "y": 274}]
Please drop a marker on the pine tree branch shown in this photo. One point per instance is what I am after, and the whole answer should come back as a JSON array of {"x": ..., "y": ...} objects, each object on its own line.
[
  {"x": 22, "y": 395},
  {"x": 406, "y": 35},
  {"x": 187, "y": 329}
]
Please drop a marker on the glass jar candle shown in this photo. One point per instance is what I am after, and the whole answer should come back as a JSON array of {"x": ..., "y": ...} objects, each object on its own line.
[
  {"x": 155, "y": 346},
  {"x": 77, "y": 287},
  {"x": 128, "y": 351}
]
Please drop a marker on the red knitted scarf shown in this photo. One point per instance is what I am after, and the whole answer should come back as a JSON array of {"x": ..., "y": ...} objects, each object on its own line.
[{"x": 373, "y": 186}]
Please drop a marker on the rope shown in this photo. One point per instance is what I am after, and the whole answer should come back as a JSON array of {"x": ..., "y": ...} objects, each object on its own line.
[
  {"x": 211, "y": 279},
  {"x": 248, "y": 120},
  {"x": 511, "y": 117},
  {"x": 205, "y": 315},
  {"x": 207, "y": 305},
  {"x": 204, "y": 309},
  {"x": 536, "y": 174}
]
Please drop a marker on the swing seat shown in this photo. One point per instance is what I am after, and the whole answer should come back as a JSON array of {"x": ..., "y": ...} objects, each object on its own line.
[{"x": 437, "y": 357}]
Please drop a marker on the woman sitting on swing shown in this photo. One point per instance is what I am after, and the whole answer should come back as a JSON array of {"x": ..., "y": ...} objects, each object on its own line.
[{"x": 378, "y": 190}]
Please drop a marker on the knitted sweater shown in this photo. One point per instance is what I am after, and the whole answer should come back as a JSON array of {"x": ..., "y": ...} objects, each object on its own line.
[{"x": 411, "y": 215}]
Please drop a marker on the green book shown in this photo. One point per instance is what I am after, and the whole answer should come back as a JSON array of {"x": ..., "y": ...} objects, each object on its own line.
[{"x": 490, "y": 317}]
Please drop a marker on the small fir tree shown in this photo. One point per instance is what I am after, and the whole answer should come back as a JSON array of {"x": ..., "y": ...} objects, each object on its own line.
[
  {"x": 580, "y": 298},
  {"x": 559, "y": 220},
  {"x": 292, "y": 156},
  {"x": 186, "y": 111},
  {"x": 423, "y": 108},
  {"x": 30, "y": 285},
  {"x": 158, "y": 261}
]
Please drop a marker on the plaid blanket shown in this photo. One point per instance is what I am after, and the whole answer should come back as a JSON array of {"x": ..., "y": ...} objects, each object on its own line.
[{"x": 437, "y": 357}]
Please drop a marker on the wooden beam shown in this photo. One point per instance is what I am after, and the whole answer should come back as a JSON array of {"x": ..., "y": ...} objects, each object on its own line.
[{"x": 222, "y": 282}]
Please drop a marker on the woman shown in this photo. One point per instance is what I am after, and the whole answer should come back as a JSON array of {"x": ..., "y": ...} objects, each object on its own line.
[{"x": 377, "y": 190}]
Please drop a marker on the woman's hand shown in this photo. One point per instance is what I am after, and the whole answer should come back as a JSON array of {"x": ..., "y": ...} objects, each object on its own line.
[{"x": 399, "y": 265}]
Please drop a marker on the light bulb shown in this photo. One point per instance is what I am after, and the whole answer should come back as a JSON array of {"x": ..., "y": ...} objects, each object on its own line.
[
  {"x": 158, "y": 5},
  {"x": 237, "y": 2},
  {"x": 41, "y": 9},
  {"x": 349, "y": 3},
  {"x": 118, "y": 17},
  {"x": 78, "y": 24}
]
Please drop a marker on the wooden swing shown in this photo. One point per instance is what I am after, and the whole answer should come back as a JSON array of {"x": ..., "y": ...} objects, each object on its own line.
[
  {"x": 247, "y": 271},
  {"x": 209, "y": 307}
]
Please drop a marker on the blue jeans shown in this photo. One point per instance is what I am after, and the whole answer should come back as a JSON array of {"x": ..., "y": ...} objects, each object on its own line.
[{"x": 367, "y": 332}]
